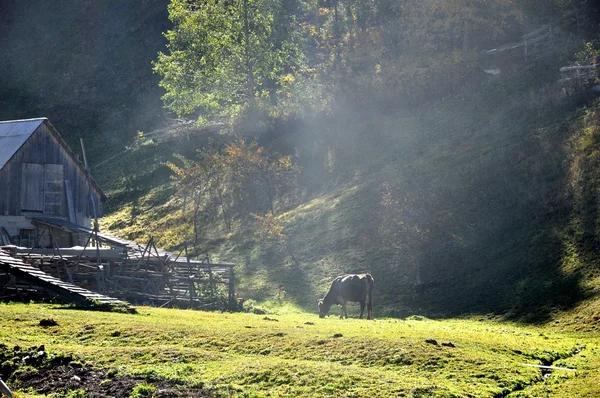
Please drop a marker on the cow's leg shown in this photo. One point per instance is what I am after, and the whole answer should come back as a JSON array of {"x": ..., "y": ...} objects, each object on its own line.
[
  {"x": 362, "y": 309},
  {"x": 343, "y": 311},
  {"x": 370, "y": 300}
]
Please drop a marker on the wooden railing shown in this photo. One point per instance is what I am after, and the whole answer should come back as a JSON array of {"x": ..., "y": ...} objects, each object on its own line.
[{"x": 539, "y": 41}]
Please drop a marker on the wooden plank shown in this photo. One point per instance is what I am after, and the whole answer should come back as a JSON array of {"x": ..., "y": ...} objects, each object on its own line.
[
  {"x": 46, "y": 254},
  {"x": 32, "y": 198},
  {"x": 4, "y": 237},
  {"x": 56, "y": 286},
  {"x": 70, "y": 204},
  {"x": 53, "y": 189},
  {"x": 577, "y": 67},
  {"x": 536, "y": 32},
  {"x": 5, "y": 390}
]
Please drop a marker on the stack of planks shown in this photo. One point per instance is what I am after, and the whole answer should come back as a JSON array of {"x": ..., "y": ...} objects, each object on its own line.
[
  {"x": 131, "y": 271},
  {"x": 17, "y": 268}
]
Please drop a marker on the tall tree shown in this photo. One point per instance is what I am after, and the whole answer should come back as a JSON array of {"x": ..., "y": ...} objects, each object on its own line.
[{"x": 226, "y": 55}]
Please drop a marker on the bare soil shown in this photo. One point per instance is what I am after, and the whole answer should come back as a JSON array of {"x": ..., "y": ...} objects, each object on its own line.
[{"x": 33, "y": 370}]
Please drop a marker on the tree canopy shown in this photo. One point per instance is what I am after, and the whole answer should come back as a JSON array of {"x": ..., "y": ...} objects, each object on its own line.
[
  {"x": 227, "y": 59},
  {"x": 225, "y": 55}
]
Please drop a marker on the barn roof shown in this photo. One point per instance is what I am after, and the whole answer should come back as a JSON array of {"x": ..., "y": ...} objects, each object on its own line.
[{"x": 14, "y": 133}]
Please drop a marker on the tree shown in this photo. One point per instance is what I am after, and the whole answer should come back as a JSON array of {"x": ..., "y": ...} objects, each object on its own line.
[
  {"x": 197, "y": 181},
  {"x": 257, "y": 178},
  {"x": 240, "y": 179},
  {"x": 225, "y": 56}
]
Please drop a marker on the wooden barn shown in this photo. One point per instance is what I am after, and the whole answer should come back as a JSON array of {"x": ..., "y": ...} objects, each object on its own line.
[
  {"x": 48, "y": 248},
  {"x": 40, "y": 176}
]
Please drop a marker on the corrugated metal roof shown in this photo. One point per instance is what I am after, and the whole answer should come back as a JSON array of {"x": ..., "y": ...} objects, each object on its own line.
[{"x": 13, "y": 134}]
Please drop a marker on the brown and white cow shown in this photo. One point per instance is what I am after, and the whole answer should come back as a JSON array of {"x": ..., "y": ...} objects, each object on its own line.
[{"x": 350, "y": 287}]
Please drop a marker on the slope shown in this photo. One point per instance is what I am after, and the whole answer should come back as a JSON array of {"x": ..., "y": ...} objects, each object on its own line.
[{"x": 485, "y": 203}]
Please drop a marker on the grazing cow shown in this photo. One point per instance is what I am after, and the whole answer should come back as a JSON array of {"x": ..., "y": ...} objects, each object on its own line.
[{"x": 350, "y": 287}]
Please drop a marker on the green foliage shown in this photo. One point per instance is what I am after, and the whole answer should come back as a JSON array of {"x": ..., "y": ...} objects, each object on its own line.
[
  {"x": 251, "y": 306},
  {"x": 226, "y": 55},
  {"x": 440, "y": 25},
  {"x": 79, "y": 393},
  {"x": 251, "y": 58},
  {"x": 142, "y": 390},
  {"x": 269, "y": 228},
  {"x": 589, "y": 54},
  {"x": 240, "y": 179}
]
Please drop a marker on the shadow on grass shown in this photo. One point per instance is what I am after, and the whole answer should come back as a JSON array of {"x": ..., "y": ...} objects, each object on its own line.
[{"x": 528, "y": 284}]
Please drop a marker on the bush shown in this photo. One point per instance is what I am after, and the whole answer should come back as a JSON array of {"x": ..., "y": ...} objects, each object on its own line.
[
  {"x": 252, "y": 307},
  {"x": 142, "y": 390}
]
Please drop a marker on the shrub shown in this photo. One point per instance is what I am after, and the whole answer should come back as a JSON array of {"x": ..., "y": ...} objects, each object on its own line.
[{"x": 142, "y": 390}]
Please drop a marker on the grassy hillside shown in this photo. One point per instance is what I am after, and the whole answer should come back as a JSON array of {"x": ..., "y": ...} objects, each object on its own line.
[
  {"x": 179, "y": 353},
  {"x": 499, "y": 175}
]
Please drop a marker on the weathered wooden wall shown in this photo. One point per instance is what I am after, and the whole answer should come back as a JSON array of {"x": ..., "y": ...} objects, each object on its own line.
[{"x": 43, "y": 155}]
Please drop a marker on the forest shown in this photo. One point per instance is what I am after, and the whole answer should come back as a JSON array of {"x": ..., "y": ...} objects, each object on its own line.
[{"x": 449, "y": 148}]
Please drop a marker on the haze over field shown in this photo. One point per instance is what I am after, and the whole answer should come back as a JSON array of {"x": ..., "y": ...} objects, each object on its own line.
[
  {"x": 449, "y": 148},
  {"x": 317, "y": 139}
]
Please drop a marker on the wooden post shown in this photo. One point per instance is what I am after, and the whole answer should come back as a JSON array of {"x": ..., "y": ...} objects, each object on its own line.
[
  {"x": 70, "y": 205},
  {"x": 192, "y": 289},
  {"x": 190, "y": 276},
  {"x": 232, "y": 301},
  {"x": 211, "y": 281},
  {"x": 37, "y": 238},
  {"x": 93, "y": 201},
  {"x": 84, "y": 247},
  {"x": 123, "y": 263},
  {"x": 5, "y": 390},
  {"x": 55, "y": 244},
  {"x": 147, "y": 262},
  {"x": 138, "y": 263}
]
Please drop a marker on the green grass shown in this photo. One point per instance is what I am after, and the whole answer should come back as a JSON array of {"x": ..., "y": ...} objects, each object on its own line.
[{"x": 241, "y": 354}]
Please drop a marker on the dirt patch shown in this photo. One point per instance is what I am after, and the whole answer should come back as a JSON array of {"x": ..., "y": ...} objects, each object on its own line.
[
  {"x": 34, "y": 370},
  {"x": 48, "y": 323},
  {"x": 97, "y": 384}
]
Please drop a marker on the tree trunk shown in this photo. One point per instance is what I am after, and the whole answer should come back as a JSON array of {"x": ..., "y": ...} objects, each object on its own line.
[
  {"x": 196, "y": 211},
  {"x": 336, "y": 35},
  {"x": 249, "y": 66},
  {"x": 225, "y": 213}
]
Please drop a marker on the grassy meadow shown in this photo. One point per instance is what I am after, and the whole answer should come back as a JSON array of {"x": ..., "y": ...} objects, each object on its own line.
[{"x": 293, "y": 353}]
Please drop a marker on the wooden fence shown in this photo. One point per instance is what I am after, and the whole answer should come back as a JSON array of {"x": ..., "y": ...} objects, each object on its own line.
[{"x": 542, "y": 40}]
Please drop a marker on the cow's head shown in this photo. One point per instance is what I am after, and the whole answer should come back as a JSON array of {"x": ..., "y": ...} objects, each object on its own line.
[{"x": 323, "y": 309}]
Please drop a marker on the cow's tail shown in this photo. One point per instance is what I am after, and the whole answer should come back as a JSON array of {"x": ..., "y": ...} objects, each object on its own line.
[{"x": 370, "y": 284}]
